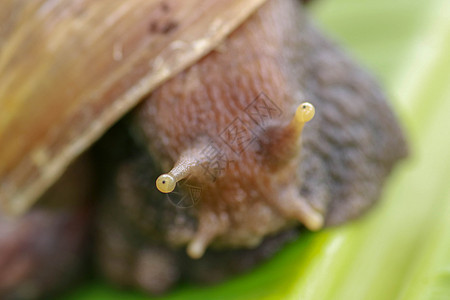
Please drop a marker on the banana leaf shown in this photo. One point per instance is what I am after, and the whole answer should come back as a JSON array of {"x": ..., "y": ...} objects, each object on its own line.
[{"x": 401, "y": 249}]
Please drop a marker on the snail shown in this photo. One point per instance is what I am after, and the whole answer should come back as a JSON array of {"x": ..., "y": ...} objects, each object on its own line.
[{"x": 221, "y": 128}]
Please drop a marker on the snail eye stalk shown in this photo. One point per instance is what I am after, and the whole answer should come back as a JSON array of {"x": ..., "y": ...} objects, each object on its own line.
[
  {"x": 283, "y": 141},
  {"x": 186, "y": 165},
  {"x": 304, "y": 113}
]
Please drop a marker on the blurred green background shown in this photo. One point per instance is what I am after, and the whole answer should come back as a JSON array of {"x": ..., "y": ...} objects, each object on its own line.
[{"x": 401, "y": 250}]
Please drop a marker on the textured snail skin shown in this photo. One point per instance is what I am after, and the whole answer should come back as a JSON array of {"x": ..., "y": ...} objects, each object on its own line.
[{"x": 335, "y": 169}]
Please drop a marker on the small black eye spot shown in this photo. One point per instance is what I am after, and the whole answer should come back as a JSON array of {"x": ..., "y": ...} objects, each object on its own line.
[
  {"x": 163, "y": 182},
  {"x": 304, "y": 106}
]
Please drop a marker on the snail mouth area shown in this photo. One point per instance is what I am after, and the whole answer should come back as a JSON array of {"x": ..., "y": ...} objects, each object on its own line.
[{"x": 246, "y": 208}]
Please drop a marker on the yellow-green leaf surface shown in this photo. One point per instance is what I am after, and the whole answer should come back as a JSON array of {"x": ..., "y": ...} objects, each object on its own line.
[{"x": 401, "y": 250}]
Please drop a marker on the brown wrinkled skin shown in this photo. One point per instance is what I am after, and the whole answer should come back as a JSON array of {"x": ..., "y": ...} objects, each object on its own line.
[
  {"x": 347, "y": 151},
  {"x": 246, "y": 210}
]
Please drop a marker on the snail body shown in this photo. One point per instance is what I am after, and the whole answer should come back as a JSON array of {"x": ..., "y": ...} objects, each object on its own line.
[
  {"x": 235, "y": 135},
  {"x": 268, "y": 129},
  {"x": 231, "y": 133}
]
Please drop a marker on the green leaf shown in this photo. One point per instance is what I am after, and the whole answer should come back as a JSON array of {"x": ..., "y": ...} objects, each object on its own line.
[{"x": 401, "y": 250}]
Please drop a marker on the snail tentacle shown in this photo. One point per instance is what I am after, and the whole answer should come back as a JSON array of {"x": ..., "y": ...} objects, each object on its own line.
[
  {"x": 292, "y": 205},
  {"x": 210, "y": 226},
  {"x": 305, "y": 112},
  {"x": 188, "y": 164}
]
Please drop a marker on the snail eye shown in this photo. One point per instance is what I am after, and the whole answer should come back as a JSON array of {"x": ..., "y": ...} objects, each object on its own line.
[
  {"x": 166, "y": 183},
  {"x": 186, "y": 165},
  {"x": 305, "y": 112}
]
